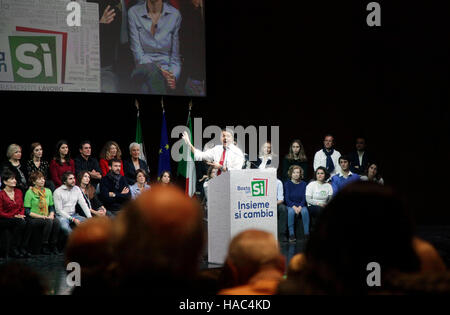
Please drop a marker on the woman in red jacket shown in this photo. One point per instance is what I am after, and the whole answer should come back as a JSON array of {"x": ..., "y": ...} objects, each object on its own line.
[
  {"x": 61, "y": 163},
  {"x": 12, "y": 217},
  {"x": 110, "y": 151}
]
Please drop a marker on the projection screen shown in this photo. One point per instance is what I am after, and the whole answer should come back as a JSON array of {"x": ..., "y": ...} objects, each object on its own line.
[{"x": 111, "y": 46}]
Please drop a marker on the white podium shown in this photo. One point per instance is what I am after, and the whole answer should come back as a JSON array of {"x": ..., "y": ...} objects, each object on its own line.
[{"x": 240, "y": 200}]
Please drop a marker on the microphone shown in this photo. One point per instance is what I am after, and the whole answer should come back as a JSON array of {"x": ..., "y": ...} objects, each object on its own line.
[{"x": 228, "y": 148}]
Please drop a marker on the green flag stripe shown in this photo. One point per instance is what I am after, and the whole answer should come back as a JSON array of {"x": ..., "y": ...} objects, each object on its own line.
[{"x": 182, "y": 165}]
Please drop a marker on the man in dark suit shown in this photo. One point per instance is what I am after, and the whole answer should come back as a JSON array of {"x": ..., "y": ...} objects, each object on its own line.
[
  {"x": 359, "y": 159},
  {"x": 114, "y": 190}
]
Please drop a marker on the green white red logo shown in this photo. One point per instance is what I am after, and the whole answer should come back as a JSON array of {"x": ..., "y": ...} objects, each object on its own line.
[
  {"x": 259, "y": 187},
  {"x": 34, "y": 58}
]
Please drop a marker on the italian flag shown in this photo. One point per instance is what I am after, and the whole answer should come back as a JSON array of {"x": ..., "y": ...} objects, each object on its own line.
[{"x": 186, "y": 167}]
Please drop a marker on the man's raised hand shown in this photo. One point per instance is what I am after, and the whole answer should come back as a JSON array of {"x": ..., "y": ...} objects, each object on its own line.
[{"x": 186, "y": 138}]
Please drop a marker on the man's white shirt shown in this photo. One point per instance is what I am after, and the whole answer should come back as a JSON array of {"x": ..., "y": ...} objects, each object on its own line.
[
  {"x": 320, "y": 159},
  {"x": 66, "y": 199},
  {"x": 234, "y": 158}
]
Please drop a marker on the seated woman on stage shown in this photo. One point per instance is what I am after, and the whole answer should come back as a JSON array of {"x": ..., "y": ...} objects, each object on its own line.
[
  {"x": 294, "y": 195},
  {"x": 61, "y": 163},
  {"x": 12, "y": 217},
  {"x": 296, "y": 156},
  {"x": 318, "y": 192},
  {"x": 110, "y": 150},
  {"x": 90, "y": 196},
  {"x": 164, "y": 179},
  {"x": 372, "y": 174},
  {"x": 154, "y": 40},
  {"x": 14, "y": 154},
  {"x": 39, "y": 205},
  {"x": 140, "y": 184},
  {"x": 37, "y": 164},
  {"x": 132, "y": 165},
  {"x": 265, "y": 157}
]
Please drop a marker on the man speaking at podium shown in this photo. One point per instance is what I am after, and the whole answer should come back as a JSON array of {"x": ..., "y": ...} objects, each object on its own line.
[{"x": 222, "y": 157}]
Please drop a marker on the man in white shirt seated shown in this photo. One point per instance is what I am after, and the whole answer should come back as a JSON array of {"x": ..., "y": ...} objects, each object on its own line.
[
  {"x": 224, "y": 157},
  {"x": 328, "y": 157},
  {"x": 66, "y": 198}
]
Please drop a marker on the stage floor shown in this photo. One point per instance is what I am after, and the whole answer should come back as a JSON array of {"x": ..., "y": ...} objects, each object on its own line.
[{"x": 52, "y": 267}]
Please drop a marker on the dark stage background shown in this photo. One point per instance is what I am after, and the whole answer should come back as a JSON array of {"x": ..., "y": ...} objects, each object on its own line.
[{"x": 310, "y": 69}]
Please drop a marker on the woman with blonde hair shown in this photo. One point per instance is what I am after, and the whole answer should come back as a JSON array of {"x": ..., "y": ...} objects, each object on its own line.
[
  {"x": 14, "y": 154},
  {"x": 297, "y": 157},
  {"x": 295, "y": 197},
  {"x": 110, "y": 150},
  {"x": 265, "y": 156}
]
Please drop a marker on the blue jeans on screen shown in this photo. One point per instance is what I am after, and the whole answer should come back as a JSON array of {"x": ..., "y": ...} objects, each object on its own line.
[{"x": 149, "y": 79}]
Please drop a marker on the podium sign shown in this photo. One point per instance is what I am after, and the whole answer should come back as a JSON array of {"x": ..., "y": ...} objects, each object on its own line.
[{"x": 237, "y": 201}]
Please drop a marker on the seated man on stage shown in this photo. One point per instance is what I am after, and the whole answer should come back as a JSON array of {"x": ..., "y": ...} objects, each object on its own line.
[
  {"x": 114, "y": 191},
  {"x": 344, "y": 177},
  {"x": 223, "y": 157},
  {"x": 66, "y": 197}
]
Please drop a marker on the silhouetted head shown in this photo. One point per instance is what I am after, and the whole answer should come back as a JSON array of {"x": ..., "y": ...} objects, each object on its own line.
[
  {"x": 90, "y": 244},
  {"x": 363, "y": 223},
  {"x": 159, "y": 235},
  {"x": 250, "y": 252}
]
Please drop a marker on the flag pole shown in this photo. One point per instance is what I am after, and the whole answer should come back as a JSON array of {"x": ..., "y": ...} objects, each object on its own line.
[
  {"x": 136, "y": 103},
  {"x": 189, "y": 113},
  {"x": 139, "y": 137},
  {"x": 162, "y": 103}
]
